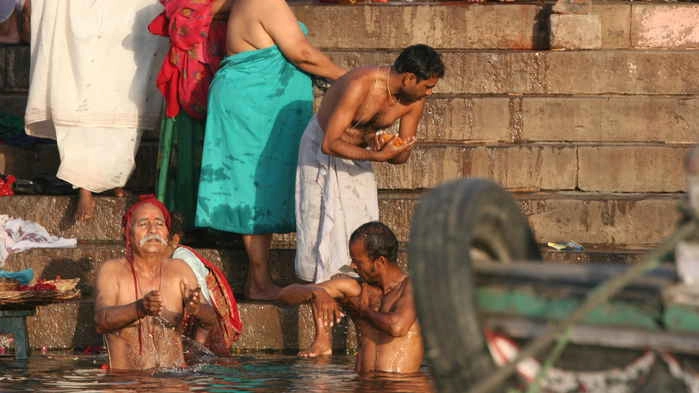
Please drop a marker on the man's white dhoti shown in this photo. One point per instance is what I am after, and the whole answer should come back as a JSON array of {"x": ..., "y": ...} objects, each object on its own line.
[
  {"x": 92, "y": 85},
  {"x": 334, "y": 196}
]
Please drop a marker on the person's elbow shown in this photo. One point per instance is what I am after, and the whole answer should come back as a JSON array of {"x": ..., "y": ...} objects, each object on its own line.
[
  {"x": 326, "y": 148},
  {"x": 101, "y": 323},
  {"x": 301, "y": 54},
  {"x": 399, "y": 329}
]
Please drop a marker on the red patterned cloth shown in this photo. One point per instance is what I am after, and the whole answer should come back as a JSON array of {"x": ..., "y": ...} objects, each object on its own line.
[
  {"x": 197, "y": 45},
  {"x": 230, "y": 326}
]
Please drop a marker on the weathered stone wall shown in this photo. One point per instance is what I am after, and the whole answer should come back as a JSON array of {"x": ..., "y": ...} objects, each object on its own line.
[{"x": 590, "y": 141}]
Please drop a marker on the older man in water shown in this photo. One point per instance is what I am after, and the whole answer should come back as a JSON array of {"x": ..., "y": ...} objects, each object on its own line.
[
  {"x": 144, "y": 297},
  {"x": 380, "y": 303}
]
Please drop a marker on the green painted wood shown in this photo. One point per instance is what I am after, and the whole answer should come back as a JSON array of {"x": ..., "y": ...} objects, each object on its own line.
[{"x": 525, "y": 302}]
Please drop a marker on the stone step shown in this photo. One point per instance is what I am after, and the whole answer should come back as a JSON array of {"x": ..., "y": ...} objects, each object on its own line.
[
  {"x": 619, "y": 220},
  {"x": 266, "y": 327},
  {"x": 478, "y": 119},
  {"x": 593, "y": 167},
  {"x": 535, "y": 167},
  {"x": 631, "y": 72},
  {"x": 627, "y": 72},
  {"x": 45, "y": 161},
  {"x": 84, "y": 261},
  {"x": 460, "y": 25}
]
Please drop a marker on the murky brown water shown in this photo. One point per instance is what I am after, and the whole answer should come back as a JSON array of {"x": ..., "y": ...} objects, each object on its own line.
[{"x": 258, "y": 373}]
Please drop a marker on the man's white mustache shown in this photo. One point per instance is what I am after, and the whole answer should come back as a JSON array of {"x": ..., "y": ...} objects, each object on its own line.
[{"x": 152, "y": 237}]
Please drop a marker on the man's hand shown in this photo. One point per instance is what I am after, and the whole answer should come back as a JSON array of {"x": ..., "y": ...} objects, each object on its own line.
[
  {"x": 326, "y": 308},
  {"x": 390, "y": 149},
  {"x": 150, "y": 304},
  {"x": 192, "y": 300}
]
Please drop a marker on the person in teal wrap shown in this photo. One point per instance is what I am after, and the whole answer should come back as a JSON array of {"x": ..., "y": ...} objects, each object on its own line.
[{"x": 260, "y": 101}]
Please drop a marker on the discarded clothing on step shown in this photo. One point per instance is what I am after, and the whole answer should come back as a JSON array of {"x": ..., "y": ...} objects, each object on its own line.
[
  {"x": 17, "y": 235},
  {"x": 7, "y": 185},
  {"x": 23, "y": 277}
]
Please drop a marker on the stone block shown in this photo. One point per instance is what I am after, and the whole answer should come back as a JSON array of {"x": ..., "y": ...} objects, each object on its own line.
[
  {"x": 526, "y": 167},
  {"x": 454, "y": 26},
  {"x": 427, "y": 167},
  {"x": 266, "y": 327},
  {"x": 592, "y": 219},
  {"x": 632, "y": 221},
  {"x": 572, "y": 7},
  {"x": 616, "y": 23},
  {"x": 622, "y": 72},
  {"x": 665, "y": 26},
  {"x": 17, "y": 78},
  {"x": 467, "y": 119},
  {"x": 63, "y": 326},
  {"x": 611, "y": 119},
  {"x": 624, "y": 168},
  {"x": 576, "y": 32},
  {"x": 555, "y": 72},
  {"x": 55, "y": 214}
]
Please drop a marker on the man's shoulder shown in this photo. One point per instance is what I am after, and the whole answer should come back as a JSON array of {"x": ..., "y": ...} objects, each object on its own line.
[{"x": 114, "y": 264}]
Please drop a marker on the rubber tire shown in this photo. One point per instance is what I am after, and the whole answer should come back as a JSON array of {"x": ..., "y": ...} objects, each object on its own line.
[{"x": 448, "y": 222}]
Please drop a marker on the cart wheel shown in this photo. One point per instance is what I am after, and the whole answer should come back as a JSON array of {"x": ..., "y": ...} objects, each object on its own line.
[{"x": 453, "y": 225}]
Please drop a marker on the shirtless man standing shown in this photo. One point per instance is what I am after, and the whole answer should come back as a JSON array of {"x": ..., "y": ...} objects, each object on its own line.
[
  {"x": 381, "y": 305},
  {"x": 335, "y": 185},
  {"x": 142, "y": 298}
]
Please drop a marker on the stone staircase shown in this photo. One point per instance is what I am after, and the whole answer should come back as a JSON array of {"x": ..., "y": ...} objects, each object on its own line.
[{"x": 591, "y": 142}]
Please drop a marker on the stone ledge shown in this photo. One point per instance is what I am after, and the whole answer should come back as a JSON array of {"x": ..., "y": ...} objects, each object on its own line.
[
  {"x": 604, "y": 220},
  {"x": 630, "y": 220},
  {"x": 266, "y": 327},
  {"x": 546, "y": 72}
]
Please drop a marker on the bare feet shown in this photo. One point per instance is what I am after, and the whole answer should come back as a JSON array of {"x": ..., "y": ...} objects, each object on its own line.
[
  {"x": 253, "y": 292},
  {"x": 316, "y": 349},
  {"x": 86, "y": 206}
]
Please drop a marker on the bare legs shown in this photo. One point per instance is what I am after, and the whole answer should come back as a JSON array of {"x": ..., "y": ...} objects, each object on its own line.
[
  {"x": 322, "y": 343},
  {"x": 259, "y": 285},
  {"x": 86, "y": 205}
]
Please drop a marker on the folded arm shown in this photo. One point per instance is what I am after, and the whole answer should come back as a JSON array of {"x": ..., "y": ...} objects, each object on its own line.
[{"x": 396, "y": 322}]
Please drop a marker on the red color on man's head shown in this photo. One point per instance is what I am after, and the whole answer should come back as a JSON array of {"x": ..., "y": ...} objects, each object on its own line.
[{"x": 127, "y": 220}]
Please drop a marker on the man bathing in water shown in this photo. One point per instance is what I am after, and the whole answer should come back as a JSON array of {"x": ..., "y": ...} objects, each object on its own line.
[
  {"x": 335, "y": 184},
  {"x": 381, "y": 305},
  {"x": 143, "y": 297}
]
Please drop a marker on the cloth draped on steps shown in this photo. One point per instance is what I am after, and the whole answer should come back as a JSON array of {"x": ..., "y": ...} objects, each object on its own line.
[
  {"x": 92, "y": 85},
  {"x": 17, "y": 235}
]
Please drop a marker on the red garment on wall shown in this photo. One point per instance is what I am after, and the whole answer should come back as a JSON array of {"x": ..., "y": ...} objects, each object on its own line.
[{"x": 197, "y": 45}]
